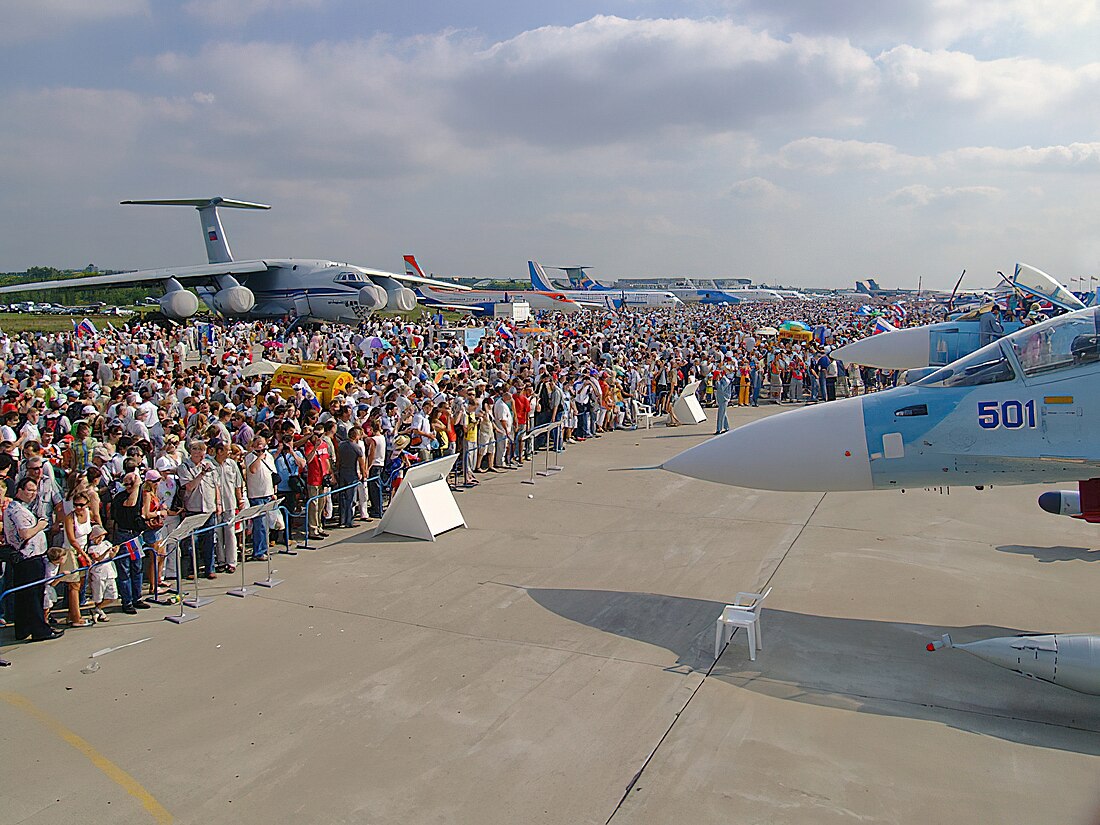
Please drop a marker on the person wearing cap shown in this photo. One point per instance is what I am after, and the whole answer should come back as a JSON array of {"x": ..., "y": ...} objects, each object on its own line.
[
  {"x": 260, "y": 473},
  {"x": 198, "y": 475},
  {"x": 103, "y": 577}
]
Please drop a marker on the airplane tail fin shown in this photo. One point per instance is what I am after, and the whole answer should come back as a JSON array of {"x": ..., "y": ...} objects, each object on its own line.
[
  {"x": 217, "y": 247},
  {"x": 538, "y": 277},
  {"x": 412, "y": 267}
]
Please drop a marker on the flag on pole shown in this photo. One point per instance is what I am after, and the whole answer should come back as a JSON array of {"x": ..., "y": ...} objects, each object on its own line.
[
  {"x": 898, "y": 310},
  {"x": 131, "y": 549},
  {"x": 464, "y": 364},
  {"x": 882, "y": 325},
  {"x": 307, "y": 392},
  {"x": 505, "y": 333},
  {"x": 86, "y": 326}
]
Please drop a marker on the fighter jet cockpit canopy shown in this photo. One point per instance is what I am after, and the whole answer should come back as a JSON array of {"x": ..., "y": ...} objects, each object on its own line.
[
  {"x": 1066, "y": 341},
  {"x": 989, "y": 365},
  {"x": 1069, "y": 340}
]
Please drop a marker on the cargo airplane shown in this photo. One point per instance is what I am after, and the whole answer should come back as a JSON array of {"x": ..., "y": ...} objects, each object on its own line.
[{"x": 309, "y": 289}]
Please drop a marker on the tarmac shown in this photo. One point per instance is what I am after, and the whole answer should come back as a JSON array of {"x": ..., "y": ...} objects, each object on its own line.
[{"x": 554, "y": 663}]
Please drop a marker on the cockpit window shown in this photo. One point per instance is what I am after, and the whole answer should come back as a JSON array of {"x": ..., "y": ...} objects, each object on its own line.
[
  {"x": 350, "y": 278},
  {"x": 1068, "y": 341},
  {"x": 988, "y": 365}
]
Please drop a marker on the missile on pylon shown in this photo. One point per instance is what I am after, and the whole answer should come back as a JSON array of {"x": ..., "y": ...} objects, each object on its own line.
[{"x": 1070, "y": 660}]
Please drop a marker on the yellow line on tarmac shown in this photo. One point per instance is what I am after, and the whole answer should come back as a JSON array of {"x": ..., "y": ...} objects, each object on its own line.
[{"x": 109, "y": 768}]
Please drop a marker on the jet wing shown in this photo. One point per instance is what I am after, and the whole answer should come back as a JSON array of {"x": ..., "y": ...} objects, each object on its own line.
[
  {"x": 417, "y": 279},
  {"x": 124, "y": 278},
  {"x": 453, "y": 307}
]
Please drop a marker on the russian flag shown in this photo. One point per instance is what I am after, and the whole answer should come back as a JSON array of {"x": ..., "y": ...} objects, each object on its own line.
[
  {"x": 310, "y": 396},
  {"x": 132, "y": 548},
  {"x": 86, "y": 326},
  {"x": 505, "y": 333},
  {"x": 899, "y": 310},
  {"x": 882, "y": 325}
]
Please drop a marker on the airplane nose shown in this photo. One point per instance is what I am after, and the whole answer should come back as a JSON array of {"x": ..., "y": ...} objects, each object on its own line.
[
  {"x": 823, "y": 447},
  {"x": 902, "y": 349}
]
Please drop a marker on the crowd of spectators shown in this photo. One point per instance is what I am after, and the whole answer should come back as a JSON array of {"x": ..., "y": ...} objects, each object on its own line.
[{"x": 110, "y": 437}]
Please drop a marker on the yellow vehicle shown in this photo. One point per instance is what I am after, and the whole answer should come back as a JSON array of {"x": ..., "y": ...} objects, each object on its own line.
[
  {"x": 796, "y": 334},
  {"x": 324, "y": 382}
]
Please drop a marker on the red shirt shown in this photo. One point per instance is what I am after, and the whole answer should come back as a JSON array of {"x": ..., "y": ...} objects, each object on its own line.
[
  {"x": 317, "y": 465},
  {"x": 522, "y": 406}
]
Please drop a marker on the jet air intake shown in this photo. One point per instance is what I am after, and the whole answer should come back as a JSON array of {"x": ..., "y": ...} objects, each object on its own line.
[
  {"x": 234, "y": 300},
  {"x": 177, "y": 303},
  {"x": 373, "y": 297},
  {"x": 398, "y": 297}
]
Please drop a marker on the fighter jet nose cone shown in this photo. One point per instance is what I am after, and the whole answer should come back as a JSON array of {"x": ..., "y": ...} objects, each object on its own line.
[{"x": 815, "y": 448}]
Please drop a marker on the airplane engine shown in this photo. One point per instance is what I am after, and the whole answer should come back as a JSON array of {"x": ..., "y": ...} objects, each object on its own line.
[
  {"x": 398, "y": 297},
  {"x": 233, "y": 300},
  {"x": 1061, "y": 502},
  {"x": 373, "y": 297},
  {"x": 179, "y": 304}
]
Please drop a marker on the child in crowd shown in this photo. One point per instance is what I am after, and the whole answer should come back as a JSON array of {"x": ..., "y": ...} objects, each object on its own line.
[
  {"x": 54, "y": 557},
  {"x": 103, "y": 576}
]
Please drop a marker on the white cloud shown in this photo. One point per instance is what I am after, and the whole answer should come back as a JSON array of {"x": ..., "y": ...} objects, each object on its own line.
[
  {"x": 921, "y": 195},
  {"x": 23, "y": 20},
  {"x": 827, "y": 156},
  {"x": 762, "y": 193},
  {"x": 1007, "y": 87},
  {"x": 935, "y": 23}
]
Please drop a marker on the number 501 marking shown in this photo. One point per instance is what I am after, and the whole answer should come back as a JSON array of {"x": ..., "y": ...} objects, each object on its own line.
[{"x": 1012, "y": 415}]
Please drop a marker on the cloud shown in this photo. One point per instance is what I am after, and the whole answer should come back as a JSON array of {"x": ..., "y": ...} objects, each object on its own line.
[
  {"x": 1007, "y": 87},
  {"x": 238, "y": 12},
  {"x": 921, "y": 195},
  {"x": 762, "y": 193},
  {"x": 828, "y": 156},
  {"x": 24, "y": 20},
  {"x": 935, "y": 23}
]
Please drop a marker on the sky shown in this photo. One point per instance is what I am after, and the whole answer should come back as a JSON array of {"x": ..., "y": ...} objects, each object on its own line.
[{"x": 789, "y": 141}]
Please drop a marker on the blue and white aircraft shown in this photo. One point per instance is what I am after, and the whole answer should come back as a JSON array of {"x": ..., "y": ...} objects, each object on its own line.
[
  {"x": 309, "y": 289},
  {"x": 605, "y": 296},
  {"x": 1017, "y": 411},
  {"x": 936, "y": 345},
  {"x": 484, "y": 300},
  {"x": 688, "y": 294}
]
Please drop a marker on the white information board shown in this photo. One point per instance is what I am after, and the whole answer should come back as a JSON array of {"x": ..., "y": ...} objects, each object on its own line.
[{"x": 687, "y": 408}]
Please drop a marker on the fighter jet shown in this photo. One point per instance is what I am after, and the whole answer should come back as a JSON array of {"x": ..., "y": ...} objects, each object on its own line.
[
  {"x": 1017, "y": 411},
  {"x": 310, "y": 289},
  {"x": 936, "y": 345},
  {"x": 1071, "y": 660}
]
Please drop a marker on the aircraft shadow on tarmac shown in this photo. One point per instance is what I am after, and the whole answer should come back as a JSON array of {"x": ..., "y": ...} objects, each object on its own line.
[
  {"x": 1046, "y": 555},
  {"x": 852, "y": 664}
]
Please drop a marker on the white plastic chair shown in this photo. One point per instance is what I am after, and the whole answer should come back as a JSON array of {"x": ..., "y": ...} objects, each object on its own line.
[
  {"x": 644, "y": 411},
  {"x": 744, "y": 612}
]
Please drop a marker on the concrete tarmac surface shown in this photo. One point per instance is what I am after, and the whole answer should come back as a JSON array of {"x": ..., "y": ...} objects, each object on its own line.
[{"x": 554, "y": 663}]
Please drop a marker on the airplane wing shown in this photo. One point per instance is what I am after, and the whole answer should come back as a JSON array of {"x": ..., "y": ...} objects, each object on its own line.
[
  {"x": 417, "y": 279},
  {"x": 125, "y": 278},
  {"x": 452, "y": 307},
  {"x": 185, "y": 273}
]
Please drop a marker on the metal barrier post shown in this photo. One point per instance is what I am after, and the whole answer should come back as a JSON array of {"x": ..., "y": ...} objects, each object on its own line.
[
  {"x": 270, "y": 581},
  {"x": 554, "y": 468},
  {"x": 248, "y": 516},
  {"x": 182, "y": 617},
  {"x": 199, "y": 600}
]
